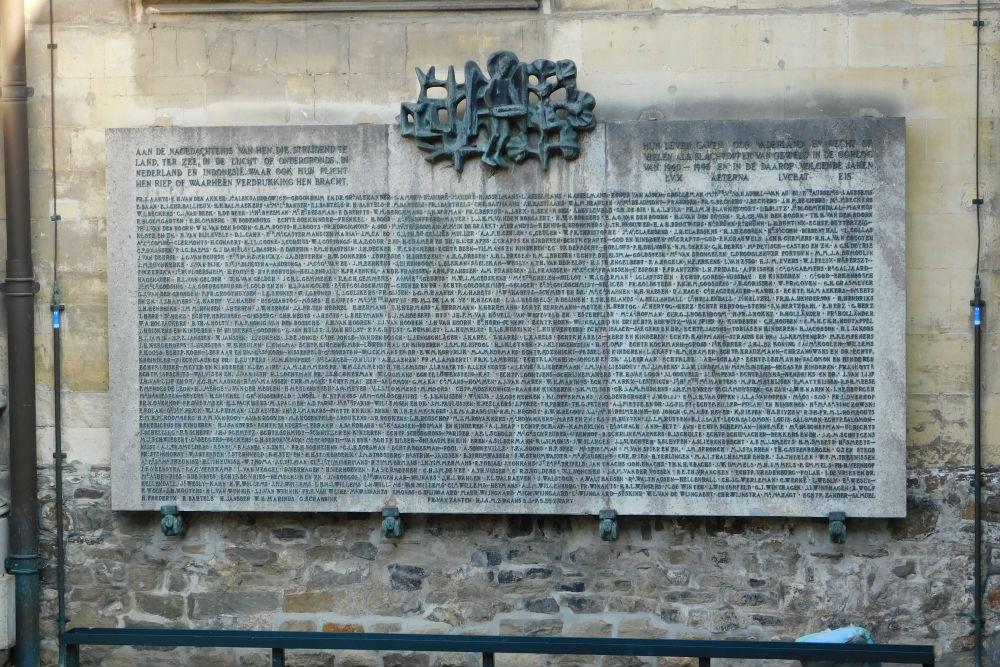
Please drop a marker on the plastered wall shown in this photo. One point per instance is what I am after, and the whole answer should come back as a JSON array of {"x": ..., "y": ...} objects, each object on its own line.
[{"x": 906, "y": 580}]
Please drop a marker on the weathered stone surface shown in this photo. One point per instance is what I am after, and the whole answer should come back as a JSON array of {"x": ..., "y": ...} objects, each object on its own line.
[
  {"x": 732, "y": 569},
  {"x": 542, "y": 606},
  {"x": 544, "y": 627},
  {"x": 357, "y": 659},
  {"x": 479, "y": 611},
  {"x": 213, "y": 605},
  {"x": 903, "y": 570},
  {"x": 320, "y": 577},
  {"x": 406, "y": 660},
  {"x": 487, "y": 558},
  {"x": 343, "y": 627},
  {"x": 300, "y": 603},
  {"x": 298, "y": 626},
  {"x": 213, "y": 658},
  {"x": 445, "y": 615},
  {"x": 585, "y": 604},
  {"x": 365, "y": 550},
  {"x": 167, "y": 606},
  {"x": 669, "y": 661},
  {"x": 622, "y": 661},
  {"x": 590, "y": 628},
  {"x": 573, "y": 660},
  {"x": 632, "y": 604},
  {"x": 921, "y": 517},
  {"x": 454, "y": 660},
  {"x": 288, "y": 534},
  {"x": 84, "y": 617},
  {"x": 385, "y": 627},
  {"x": 315, "y": 658},
  {"x": 252, "y": 556},
  {"x": 406, "y": 577}
]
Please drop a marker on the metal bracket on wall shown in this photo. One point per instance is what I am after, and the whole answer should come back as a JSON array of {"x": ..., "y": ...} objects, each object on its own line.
[
  {"x": 172, "y": 524},
  {"x": 609, "y": 525},
  {"x": 24, "y": 563},
  {"x": 5, "y": 288},
  {"x": 392, "y": 525},
  {"x": 838, "y": 527}
]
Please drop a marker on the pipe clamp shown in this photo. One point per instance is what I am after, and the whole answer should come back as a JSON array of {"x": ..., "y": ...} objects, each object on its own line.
[{"x": 20, "y": 564}]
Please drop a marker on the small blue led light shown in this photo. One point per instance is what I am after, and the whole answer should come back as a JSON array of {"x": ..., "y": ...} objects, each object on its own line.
[
  {"x": 55, "y": 319},
  {"x": 978, "y": 316}
]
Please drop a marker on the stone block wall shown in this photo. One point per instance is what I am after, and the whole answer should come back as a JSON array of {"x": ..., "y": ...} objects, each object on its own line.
[{"x": 906, "y": 581}]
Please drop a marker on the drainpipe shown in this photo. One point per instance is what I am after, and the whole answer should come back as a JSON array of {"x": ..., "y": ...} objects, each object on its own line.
[{"x": 23, "y": 562}]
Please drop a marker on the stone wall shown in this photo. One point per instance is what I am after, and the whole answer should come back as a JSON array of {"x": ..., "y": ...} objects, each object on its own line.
[{"x": 906, "y": 580}]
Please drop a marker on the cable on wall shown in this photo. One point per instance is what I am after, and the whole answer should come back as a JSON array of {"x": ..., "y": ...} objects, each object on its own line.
[
  {"x": 978, "y": 308},
  {"x": 57, "y": 308}
]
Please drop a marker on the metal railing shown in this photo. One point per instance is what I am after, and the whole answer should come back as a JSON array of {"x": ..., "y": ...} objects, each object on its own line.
[{"x": 488, "y": 646}]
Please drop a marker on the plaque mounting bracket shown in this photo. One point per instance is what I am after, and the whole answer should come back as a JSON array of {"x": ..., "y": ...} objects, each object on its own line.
[
  {"x": 838, "y": 527},
  {"x": 392, "y": 525},
  {"x": 609, "y": 525},
  {"x": 172, "y": 524}
]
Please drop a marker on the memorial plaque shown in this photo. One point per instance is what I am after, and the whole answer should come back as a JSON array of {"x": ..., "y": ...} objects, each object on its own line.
[
  {"x": 756, "y": 345},
  {"x": 496, "y": 347},
  {"x": 249, "y": 270},
  {"x": 691, "y": 318}
]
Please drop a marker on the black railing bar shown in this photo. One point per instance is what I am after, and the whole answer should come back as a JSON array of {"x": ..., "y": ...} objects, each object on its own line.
[{"x": 897, "y": 653}]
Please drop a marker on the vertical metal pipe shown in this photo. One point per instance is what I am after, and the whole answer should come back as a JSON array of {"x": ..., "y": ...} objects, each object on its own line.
[
  {"x": 978, "y": 308},
  {"x": 19, "y": 298},
  {"x": 59, "y": 456}
]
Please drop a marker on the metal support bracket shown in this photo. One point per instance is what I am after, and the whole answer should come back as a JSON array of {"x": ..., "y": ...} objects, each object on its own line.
[
  {"x": 172, "y": 524},
  {"x": 609, "y": 525},
  {"x": 392, "y": 525},
  {"x": 17, "y": 92},
  {"x": 5, "y": 288},
  {"x": 24, "y": 564},
  {"x": 838, "y": 527}
]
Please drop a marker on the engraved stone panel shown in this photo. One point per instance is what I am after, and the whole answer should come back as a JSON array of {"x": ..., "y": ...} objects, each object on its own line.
[
  {"x": 756, "y": 270},
  {"x": 691, "y": 318},
  {"x": 249, "y": 269},
  {"x": 496, "y": 343}
]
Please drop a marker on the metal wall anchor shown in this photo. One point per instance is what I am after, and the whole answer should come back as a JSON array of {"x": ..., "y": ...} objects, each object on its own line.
[
  {"x": 172, "y": 524},
  {"x": 392, "y": 525},
  {"x": 609, "y": 525},
  {"x": 838, "y": 527}
]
